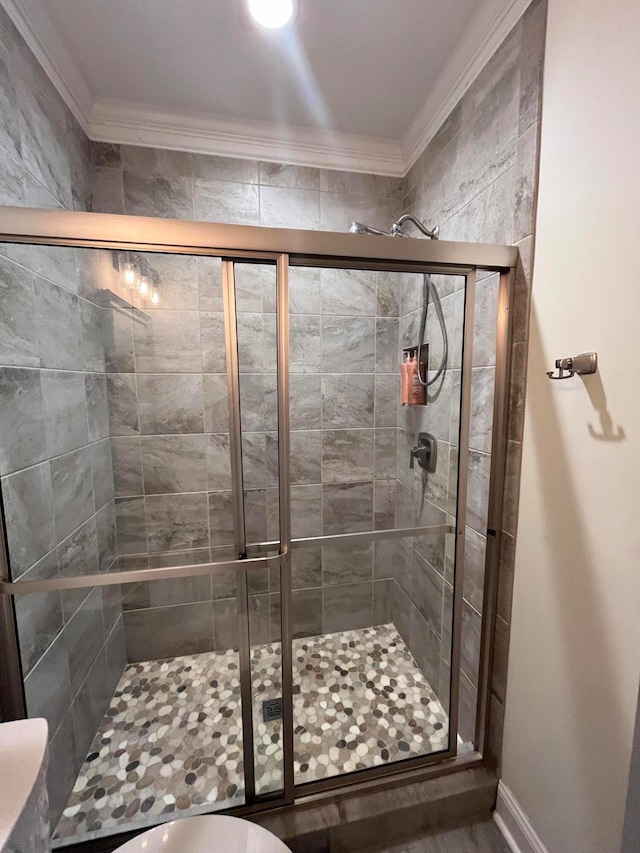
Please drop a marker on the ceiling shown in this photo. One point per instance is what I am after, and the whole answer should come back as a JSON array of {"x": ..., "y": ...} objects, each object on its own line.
[{"x": 354, "y": 83}]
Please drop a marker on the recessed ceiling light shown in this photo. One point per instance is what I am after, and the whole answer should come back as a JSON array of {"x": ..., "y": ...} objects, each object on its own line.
[{"x": 272, "y": 14}]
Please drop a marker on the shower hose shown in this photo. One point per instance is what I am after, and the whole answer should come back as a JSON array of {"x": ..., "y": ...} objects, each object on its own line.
[{"x": 430, "y": 290}]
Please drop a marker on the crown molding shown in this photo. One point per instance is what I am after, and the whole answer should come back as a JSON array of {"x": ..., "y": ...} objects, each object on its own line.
[
  {"x": 32, "y": 21},
  {"x": 138, "y": 124},
  {"x": 488, "y": 29}
]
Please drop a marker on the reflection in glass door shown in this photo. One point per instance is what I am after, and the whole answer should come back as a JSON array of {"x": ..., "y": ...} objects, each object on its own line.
[{"x": 146, "y": 686}]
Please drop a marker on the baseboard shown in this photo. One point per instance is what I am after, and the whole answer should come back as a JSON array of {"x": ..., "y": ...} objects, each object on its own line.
[{"x": 514, "y": 825}]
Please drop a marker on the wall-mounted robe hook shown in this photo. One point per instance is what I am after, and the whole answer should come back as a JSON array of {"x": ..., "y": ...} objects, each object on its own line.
[{"x": 583, "y": 364}]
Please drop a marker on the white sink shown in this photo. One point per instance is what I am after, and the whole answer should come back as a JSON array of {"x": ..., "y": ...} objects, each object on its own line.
[{"x": 23, "y": 796}]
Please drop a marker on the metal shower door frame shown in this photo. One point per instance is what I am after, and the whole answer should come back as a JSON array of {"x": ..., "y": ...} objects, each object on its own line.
[{"x": 239, "y": 243}]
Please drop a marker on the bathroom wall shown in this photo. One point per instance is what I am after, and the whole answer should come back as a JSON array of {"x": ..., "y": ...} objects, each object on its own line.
[
  {"x": 344, "y": 332},
  {"x": 55, "y": 459},
  {"x": 575, "y": 643},
  {"x": 477, "y": 180}
]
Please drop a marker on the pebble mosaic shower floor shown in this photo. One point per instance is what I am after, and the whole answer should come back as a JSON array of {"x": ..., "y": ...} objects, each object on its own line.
[{"x": 171, "y": 742}]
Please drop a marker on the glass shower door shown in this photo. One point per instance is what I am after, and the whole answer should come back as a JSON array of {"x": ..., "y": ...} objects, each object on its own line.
[{"x": 122, "y": 371}]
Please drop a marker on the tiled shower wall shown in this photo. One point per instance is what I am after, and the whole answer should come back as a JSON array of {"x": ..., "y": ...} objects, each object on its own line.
[
  {"x": 55, "y": 458},
  {"x": 477, "y": 179},
  {"x": 344, "y": 333}
]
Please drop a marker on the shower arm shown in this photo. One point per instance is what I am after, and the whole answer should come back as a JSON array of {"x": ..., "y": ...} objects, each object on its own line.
[{"x": 397, "y": 230}]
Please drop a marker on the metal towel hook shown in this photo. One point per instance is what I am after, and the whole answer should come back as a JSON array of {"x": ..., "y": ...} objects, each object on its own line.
[{"x": 583, "y": 364}]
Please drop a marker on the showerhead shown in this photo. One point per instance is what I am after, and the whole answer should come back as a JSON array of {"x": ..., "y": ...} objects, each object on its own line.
[{"x": 359, "y": 228}]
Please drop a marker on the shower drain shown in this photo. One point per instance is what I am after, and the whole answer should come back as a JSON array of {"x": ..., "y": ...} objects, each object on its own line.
[{"x": 272, "y": 710}]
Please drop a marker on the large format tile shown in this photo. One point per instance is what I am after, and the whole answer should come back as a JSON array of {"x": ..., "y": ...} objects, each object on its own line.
[
  {"x": 348, "y": 344},
  {"x": 102, "y": 473},
  {"x": 57, "y": 317},
  {"x": 347, "y": 606},
  {"x": 18, "y": 339},
  {"x": 348, "y": 292},
  {"x": 170, "y": 404},
  {"x": 97, "y": 407},
  {"x": 38, "y": 616},
  {"x": 214, "y": 358},
  {"x": 347, "y": 508},
  {"x": 72, "y": 489},
  {"x": 22, "y": 419},
  {"x": 131, "y": 526},
  {"x": 149, "y": 195},
  {"x": 289, "y": 208},
  {"x": 226, "y": 201},
  {"x": 347, "y": 562},
  {"x": 305, "y": 401},
  {"x": 66, "y": 410},
  {"x": 347, "y": 455},
  {"x": 305, "y": 344},
  {"x": 161, "y": 632},
  {"x": 28, "y": 508},
  {"x": 127, "y": 465},
  {"x": 347, "y": 400},
  {"x": 122, "y": 402},
  {"x": 176, "y": 522},
  {"x": 47, "y": 687},
  {"x": 90, "y": 704},
  {"x": 173, "y": 463},
  {"x": 84, "y": 636},
  {"x": 78, "y": 556},
  {"x": 169, "y": 343}
]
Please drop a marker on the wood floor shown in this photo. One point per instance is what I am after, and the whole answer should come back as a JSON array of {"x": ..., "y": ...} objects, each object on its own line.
[{"x": 483, "y": 837}]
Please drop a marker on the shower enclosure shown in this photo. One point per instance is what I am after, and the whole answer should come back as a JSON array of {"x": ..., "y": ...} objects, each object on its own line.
[{"x": 226, "y": 584}]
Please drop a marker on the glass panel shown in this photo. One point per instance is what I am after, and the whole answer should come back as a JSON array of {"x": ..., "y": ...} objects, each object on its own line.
[
  {"x": 370, "y": 620},
  {"x": 257, "y": 363},
  {"x": 115, "y": 455}
]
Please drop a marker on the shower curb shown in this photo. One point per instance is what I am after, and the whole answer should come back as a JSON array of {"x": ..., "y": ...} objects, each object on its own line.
[{"x": 349, "y": 821}]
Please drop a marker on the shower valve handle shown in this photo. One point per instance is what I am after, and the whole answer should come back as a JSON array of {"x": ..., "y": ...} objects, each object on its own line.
[{"x": 426, "y": 452}]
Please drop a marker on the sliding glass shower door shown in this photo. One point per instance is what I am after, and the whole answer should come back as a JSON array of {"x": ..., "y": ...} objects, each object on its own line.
[{"x": 235, "y": 559}]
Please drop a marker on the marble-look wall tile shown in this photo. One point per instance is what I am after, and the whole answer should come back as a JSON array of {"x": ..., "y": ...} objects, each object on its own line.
[
  {"x": 57, "y": 320},
  {"x": 385, "y": 446},
  {"x": 348, "y": 345},
  {"x": 306, "y": 567},
  {"x": 159, "y": 632},
  {"x": 338, "y": 210},
  {"x": 97, "y": 407},
  {"x": 174, "y": 463},
  {"x": 478, "y": 490},
  {"x": 305, "y": 344},
  {"x": 127, "y": 465},
  {"x": 348, "y": 292},
  {"x": 131, "y": 525},
  {"x": 347, "y": 563},
  {"x": 176, "y": 522},
  {"x": 285, "y": 175},
  {"x": 153, "y": 195},
  {"x": 387, "y": 396},
  {"x": 481, "y": 423},
  {"x": 66, "y": 410},
  {"x": 306, "y": 510},
  {"x": 304, "y": 290},
  {"x": 28, "y": 508},
  {"x": 216, "y": 412},
  {"x": 347, "y": 400},
  {"x": 47, "y": 687},
  {"x": 38, "y": 616},
  {"x": 18, "y": 344},
  {"x": 102, "y": 473},
  {"x": 306, "y": 612},
  {"x": 347, "y": 455},
  {"x": 22, "y": 419},
  {"x": 89, "y": 704},
  {"x": 224, "y": 201},
  {"x": 526, "y": 173},
  {"x": 289, "y": 208},
  {"x": 170, "y": 404},
  {"x": 105, "y": 520},
  {"x": 347, "y": 607},
  {"x": 347, "y": 508},
  {"x": 220, "y": 518},
  {"x": 306, "y": 457},
  {"x": 211, "y": 168},
  {"x": 122, "y": 402},
  {"x": 169, "y": 343},
  {"x": 305, "y": 401},
  {"x": 77, "y": 556},
  {"x": 531, "y": 63},
  {"x": 72, "y": 490}
]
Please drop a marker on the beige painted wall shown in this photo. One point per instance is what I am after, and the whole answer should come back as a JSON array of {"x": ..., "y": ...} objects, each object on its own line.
[{"x": 575, "y": 642}]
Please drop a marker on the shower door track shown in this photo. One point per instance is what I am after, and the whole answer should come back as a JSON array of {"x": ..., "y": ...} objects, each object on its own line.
[{"x": 282, "y": 247}]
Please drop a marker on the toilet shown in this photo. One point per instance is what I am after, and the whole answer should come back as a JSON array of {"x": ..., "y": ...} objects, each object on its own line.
[{"x": 205, "y": 834}]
